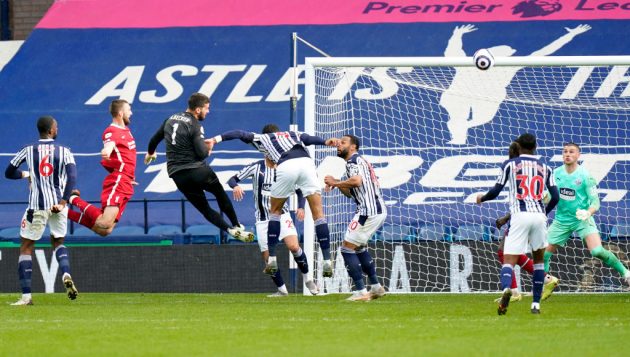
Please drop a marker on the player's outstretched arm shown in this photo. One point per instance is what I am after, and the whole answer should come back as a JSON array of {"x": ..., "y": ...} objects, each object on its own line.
[
  {"x": 490, "y": 195},
  {"x": 244, "y": 136},
  {"x": 153, "y": 143},
  {"x": 316, "y": 140}
]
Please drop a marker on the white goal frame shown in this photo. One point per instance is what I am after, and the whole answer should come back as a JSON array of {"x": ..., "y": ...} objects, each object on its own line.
[{"x": 311, "y": 63}]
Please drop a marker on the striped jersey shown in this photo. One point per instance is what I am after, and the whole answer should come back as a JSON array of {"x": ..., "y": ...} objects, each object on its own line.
[
  {"x": 262, "y": 178},
  {"x": 123, "y": 157},
  {"x": 528, "y": 178},
  {"x": 281, "y": 146},
  {"x": 368, "y": 196},
  {"x": 46, "y": 163}
]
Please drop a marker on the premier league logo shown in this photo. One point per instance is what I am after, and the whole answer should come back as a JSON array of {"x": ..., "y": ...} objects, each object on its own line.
[{"x": 533, "y": 8}]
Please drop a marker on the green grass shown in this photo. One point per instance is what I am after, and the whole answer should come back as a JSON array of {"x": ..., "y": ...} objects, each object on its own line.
[{"x": 251, "y": 324}]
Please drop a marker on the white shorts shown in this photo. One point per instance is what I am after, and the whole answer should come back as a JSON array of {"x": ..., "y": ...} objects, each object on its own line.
[
  {"x": 527, "y": 230},
  {"x": 293, "y": 174},
  {"x": 33, "y": 225},
  {"x": 287, "y": 228},
  {"x": 359, "y": 234}
]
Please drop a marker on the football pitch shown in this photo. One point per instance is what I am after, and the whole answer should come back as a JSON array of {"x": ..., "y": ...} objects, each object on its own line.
[{"x": 254, "y": 325}]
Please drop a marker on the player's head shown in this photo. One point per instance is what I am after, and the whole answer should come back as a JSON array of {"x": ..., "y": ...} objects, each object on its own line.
[
  {"x": 514, "y": 150},
  {"x": 120, "y": 108},
  {"x": 570, "y": 153},
  {"x": 527, "y": 142},
  {"x": 348, "y": 145},
  {"x": 502, "y": 51},
  {"x": 199, "y": 105},
  {"x": 270, "y": 128},
  {"x": 47, "y": 127}
]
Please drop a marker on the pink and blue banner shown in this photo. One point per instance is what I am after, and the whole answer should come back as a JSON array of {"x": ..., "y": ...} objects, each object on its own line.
[{"x": 85, "y": 53}]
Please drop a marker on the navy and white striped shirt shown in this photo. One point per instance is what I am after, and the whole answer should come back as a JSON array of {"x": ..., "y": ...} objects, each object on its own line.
[
  {"x": 262, "y": 178},
  {"x": 278, "y": 147},
  {"x": 48, "y": 164},
  {"x": 368, "y": 196},
  {"x": 528, "y": 178}
]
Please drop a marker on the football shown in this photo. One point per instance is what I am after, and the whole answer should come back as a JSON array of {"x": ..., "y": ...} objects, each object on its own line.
[{"x": 483, "y": 59}]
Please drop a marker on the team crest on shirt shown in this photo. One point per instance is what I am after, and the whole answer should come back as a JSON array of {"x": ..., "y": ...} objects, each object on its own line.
[{"x": 578, "y": 182}]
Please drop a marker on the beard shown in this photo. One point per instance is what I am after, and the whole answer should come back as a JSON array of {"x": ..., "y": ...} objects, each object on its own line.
[
  {"x": 126, "y": 120},
  {"x": 342, "y": 153}
]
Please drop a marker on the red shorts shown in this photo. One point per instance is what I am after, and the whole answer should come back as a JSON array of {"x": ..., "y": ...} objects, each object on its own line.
[{"x": 117, "y": 191}]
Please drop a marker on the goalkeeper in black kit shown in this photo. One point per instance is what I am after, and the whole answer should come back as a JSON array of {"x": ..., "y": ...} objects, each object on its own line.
[{"x": 186, "y": 152}]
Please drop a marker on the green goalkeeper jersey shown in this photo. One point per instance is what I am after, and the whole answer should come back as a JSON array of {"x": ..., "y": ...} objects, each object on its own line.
[{"x": 578, "y": 190}]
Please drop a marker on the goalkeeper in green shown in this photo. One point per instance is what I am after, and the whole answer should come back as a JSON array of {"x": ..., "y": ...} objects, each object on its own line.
[{"x": 578, "y": 203}]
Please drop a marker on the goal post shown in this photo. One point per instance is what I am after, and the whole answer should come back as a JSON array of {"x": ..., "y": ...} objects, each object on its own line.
[{"x": 437, "y": 129}]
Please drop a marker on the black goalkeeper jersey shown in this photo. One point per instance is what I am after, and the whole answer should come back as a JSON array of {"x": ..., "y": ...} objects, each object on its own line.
[{"x": 185, "y": 146}]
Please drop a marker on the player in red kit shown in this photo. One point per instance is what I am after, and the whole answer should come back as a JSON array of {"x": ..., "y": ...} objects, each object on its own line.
[{"x": 119, "y": 159}]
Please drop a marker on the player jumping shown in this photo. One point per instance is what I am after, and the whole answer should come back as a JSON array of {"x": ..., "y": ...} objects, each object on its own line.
[
  {"x": 263, "y": 174},
  {"x": 119, "y": 159},
  {"x": 295, "y": 170}
]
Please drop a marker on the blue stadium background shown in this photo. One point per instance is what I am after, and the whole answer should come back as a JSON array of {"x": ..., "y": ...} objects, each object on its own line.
[{"x": 58, "y": 70}]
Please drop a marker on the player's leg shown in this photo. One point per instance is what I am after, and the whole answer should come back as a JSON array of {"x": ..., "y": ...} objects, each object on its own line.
[
  {"x": 308, "y": 183},
  {"x": 214, "y": 186},
  {"x": 321, "y": 231},
  {"x": 515, "y": 244},
  {"x": 557, "y": 236},
  {"x": 25, "y": 271},
  {"x": 516, "y": 296},
  {"x": 106, "y": 222},
  {"x": 537, "y": 241},
  {"x": 276, "y": 276},
  {"x": 366, "y": 227},
  {"x": 594, "y": 244},
  {"x": 538, "y": 279},
  {"x": 31, "y": 229},
  {"x": 58, "y": 228},
  {"x": 353, "y": 266},
  {"x": 87, "y": 213},
  {"x": 273, "y": 231},
  {"x": 289, "y": 236},
  {"x": 190, "y": 184}
]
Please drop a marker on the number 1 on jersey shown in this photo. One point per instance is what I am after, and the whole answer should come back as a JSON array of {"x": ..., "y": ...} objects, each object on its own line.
[{"x": 175, "y": 126}]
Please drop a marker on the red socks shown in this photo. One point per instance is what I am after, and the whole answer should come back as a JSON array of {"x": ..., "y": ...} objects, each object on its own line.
[{"x": 87, "y": 214}]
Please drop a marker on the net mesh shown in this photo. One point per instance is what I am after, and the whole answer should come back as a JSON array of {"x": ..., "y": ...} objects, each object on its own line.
[{"x": 437, "y": 137}]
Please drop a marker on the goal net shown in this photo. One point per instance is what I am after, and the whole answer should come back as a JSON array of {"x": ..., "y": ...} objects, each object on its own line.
[{"x": 436, "y": 131}]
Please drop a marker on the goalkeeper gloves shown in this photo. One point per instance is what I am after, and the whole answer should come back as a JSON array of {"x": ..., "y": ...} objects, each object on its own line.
[
  {"x": 583, "y": 214},
  {"x": 148, "y": 158}
]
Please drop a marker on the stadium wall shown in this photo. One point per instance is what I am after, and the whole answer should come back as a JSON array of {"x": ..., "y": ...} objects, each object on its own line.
[{"x": 458, "y": 267}]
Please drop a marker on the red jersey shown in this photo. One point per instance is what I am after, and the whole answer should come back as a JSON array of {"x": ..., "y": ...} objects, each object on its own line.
[{"x": 123, "y": 157}]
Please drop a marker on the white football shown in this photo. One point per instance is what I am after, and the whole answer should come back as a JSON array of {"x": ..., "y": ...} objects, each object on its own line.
[{"x": 483, "y": 59}]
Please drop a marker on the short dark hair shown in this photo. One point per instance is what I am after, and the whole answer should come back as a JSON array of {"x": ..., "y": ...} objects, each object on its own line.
[
  {"x": 197, "y": 100},
  {"x": 527, "y": 142},
  {"x": 115, "y": 106},
  {"x": 514, "y": 150},
  {"x": 45, "y": 123},
  {"x": 270, "y": 128},
  {"x": 571, "y": 143},
  {"x": 354, "y": 140}
]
